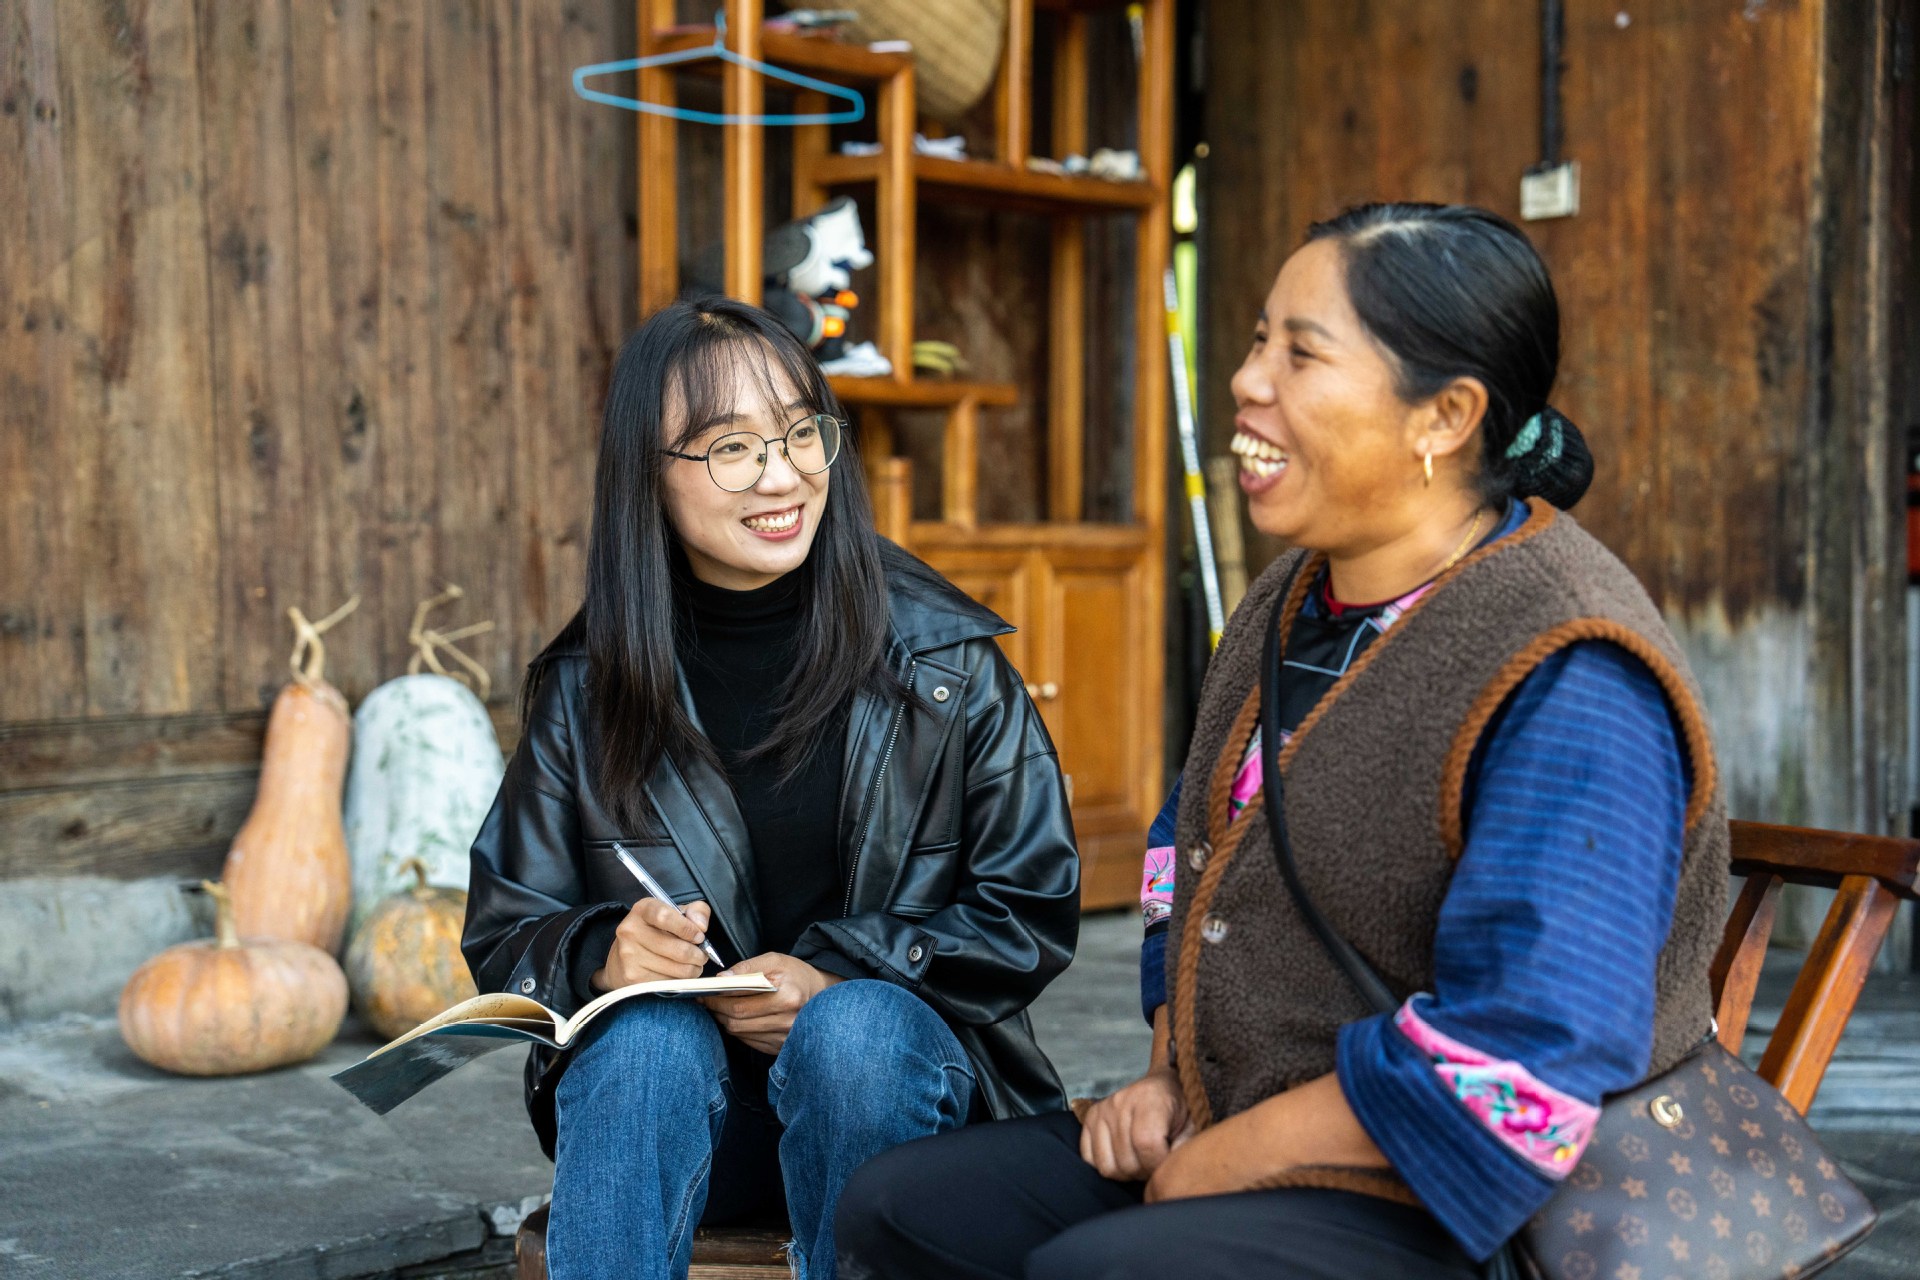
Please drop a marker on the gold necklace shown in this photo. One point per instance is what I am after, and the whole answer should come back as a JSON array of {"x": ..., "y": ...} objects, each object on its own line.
[{"x": 1466, "y": 542}]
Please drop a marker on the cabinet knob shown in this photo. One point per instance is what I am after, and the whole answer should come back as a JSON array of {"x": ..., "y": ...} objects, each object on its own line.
[
  {"x": 1033, "y": 690},
  {"x": 1049, "y": 691}
]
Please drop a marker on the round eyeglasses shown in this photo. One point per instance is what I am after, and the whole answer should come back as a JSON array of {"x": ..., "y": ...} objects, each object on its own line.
[{"x": 737, "y": 460}]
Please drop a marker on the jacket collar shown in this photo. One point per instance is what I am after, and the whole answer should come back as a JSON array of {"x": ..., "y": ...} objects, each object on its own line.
[
  {"x": 697, "y": 804},
  {"x": 927, "y": 612}
]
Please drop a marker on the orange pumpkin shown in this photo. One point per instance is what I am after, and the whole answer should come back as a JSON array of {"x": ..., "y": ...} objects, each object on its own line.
[
  {"x": 287, "y": 870},
  {"x": 222, "y": 1006},
  {"x": 405, "y": 964}
]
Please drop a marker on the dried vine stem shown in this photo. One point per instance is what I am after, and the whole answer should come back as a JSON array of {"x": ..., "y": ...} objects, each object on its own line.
[
  {"x": 309, "y": 660},
  {"x": 428, "y": 644}
]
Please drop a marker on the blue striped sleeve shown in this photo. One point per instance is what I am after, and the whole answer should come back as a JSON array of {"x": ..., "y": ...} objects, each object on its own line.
[{"x": 1546, "y": 947}]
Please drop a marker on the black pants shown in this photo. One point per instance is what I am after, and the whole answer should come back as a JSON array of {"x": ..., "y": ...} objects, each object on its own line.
[{"x": 1014, "y": 1200}]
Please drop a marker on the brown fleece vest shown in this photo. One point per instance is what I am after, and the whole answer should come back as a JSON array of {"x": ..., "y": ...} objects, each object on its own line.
[{"x": 1373, "y": 809}]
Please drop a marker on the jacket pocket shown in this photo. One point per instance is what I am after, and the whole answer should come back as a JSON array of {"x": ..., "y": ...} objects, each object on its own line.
[
  {"x": 608, "y": 879},
  {"x": 926, "y": 880}
]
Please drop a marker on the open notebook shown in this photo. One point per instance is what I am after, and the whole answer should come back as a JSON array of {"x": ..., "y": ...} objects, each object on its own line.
[{"x": 396, "y": 1071}]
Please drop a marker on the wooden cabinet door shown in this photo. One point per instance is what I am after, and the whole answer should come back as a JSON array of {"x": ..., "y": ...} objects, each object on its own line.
[
  {"x": 1002, "y": 580},
  {"x": 1082, "y": 647},
  {"x": 1101, "y": 712}
]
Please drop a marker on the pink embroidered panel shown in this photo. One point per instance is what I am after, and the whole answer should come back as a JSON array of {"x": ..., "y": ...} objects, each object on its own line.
[
  {"x": 1156, "y": 885},
  {"x": 1545, "y": 1126}
]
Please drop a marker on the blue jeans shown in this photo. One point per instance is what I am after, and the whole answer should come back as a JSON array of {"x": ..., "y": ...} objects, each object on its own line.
[{"x": 657, "y": 1109}]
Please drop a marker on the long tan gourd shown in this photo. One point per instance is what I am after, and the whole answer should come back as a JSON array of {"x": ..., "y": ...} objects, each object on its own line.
[
  {"x": 223, "y": 1006},
  {"x": 405, "y": 965},
  {"x": 287, "y": 870}
]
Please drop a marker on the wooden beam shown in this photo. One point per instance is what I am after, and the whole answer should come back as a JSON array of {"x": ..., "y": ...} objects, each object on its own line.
[
  {"x": 1066, "y": 372},
  {"x": 1154, "y": 245},
  {"x": 1067, "y": 296},
  {"x": 137, "y": 796},
  {"x": 745, "y": 146},
  {"x": 1119, "y": 540},
  {"x": 78, "y": 753},
  {"x": 1070, "y": 86},
  {"x": 810, "y": 142},
  {"x": 657, "y": 171},
  {"x": 827, "y": 59},
  {"x": 876, "y": 433},
  {"x": 892, "y": 482},
  {"x": 1013, "y": 97},
  {"x": 960, "y": 466},
  {"x": 170, "y": 826},
  {"x": 996, "y": 186},
  {"x": 925, "y": 393},
  {"x": 894, "y": 200}
]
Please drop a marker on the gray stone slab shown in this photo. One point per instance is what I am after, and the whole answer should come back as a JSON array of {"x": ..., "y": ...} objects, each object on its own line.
[
  {"x": 111, "y": 1169},
  {"x": 1886, "y": 1166},
  {"x": 1089, "y": 1020}
]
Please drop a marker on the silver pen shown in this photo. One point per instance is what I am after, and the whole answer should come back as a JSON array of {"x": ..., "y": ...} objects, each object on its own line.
[{"x": 652, "y": 886}]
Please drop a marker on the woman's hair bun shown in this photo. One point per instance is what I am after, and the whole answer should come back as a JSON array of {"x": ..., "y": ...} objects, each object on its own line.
[{"x": 1549, "y": 459}]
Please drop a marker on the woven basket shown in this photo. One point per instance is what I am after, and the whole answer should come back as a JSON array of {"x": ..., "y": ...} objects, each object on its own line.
[{"x": 956, "y": 46}]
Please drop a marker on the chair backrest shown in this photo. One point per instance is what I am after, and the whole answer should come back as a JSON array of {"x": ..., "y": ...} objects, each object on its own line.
[{"x": 1871, "y": 875}]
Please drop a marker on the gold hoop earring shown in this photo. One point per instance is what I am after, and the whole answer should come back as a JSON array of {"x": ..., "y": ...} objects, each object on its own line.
[{"x": 1426, "y": 464}]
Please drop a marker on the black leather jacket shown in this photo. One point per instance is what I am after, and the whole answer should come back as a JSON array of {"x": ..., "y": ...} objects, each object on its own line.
[{"x": 964, "y": 882}]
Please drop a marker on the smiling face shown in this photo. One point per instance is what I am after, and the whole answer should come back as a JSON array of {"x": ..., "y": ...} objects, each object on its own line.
[
  {"x": 1329, "y": 453},
  {"x": 744, "y": 540}
]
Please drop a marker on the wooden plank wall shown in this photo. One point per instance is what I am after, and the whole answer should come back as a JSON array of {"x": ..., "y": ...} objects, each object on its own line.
[
  {"x": 1724, "y": 294},
  {"x": 297, "y": 301}
]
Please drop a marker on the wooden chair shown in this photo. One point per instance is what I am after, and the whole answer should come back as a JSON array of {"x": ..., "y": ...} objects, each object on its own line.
[
  {"x": 728, "y": 1253},
  {"x": 1871, "y": 874}
]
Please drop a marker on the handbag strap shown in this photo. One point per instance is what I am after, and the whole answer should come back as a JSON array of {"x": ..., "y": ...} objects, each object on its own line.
[
  {"x": 1365, "y": 980},
  {"x": 1505, "y": 1263}
]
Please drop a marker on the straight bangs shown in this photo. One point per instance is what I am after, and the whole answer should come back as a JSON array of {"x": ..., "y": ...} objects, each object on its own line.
[{"x": 705, "y": 382}]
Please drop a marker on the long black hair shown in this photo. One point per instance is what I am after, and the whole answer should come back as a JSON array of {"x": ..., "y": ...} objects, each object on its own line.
[
  {"x": 1452, "y": 291},
  {"x": 674, "y": 376}
]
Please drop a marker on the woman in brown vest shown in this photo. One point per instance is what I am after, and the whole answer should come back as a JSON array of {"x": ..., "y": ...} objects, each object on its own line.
[{"x": 1499, "y": 789}]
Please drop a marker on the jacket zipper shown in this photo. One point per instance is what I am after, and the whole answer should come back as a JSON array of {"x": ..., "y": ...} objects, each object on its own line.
[{"x": 873, "y": 796}]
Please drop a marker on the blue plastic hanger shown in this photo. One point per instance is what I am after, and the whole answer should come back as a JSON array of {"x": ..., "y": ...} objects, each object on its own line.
[{"x": 718, "y": 49}]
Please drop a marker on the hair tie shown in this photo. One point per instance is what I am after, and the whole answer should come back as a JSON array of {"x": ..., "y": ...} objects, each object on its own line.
[
  {"x": 1529, "y": 436},
  {"x": 1545, "y": 423}
]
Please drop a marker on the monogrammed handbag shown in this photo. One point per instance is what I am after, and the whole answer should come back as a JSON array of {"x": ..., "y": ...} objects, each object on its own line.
[{"x": 1703, "y": 1170}]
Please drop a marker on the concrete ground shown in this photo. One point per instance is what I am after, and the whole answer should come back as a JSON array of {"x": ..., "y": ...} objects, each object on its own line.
[{"x": 110, "y": 1170}]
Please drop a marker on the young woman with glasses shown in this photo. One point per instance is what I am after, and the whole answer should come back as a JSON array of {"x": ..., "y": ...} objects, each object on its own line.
[{"x": 814, "y": 745}]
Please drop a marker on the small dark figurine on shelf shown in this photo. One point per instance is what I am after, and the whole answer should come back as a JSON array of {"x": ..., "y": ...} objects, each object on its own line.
[{"x": 808, "y": 265}]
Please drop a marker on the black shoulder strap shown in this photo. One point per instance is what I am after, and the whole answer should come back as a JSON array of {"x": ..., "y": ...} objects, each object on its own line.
[
  {"x": 1367, "y": 982},
  {"x": 1504, "y": 1264}
]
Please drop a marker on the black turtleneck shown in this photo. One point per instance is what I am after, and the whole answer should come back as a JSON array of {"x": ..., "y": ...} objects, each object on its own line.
[{"x": 737, "y": 649}]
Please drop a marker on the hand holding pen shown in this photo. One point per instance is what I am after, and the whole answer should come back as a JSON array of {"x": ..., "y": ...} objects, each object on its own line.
[
  {"x": 656, "y": 940},
  {"x": 652, "y": 886}
]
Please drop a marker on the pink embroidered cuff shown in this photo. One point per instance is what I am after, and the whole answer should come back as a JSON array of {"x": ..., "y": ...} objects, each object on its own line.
[
  {"x": 1156, "y": 885},
  {"x": 1548, "y": 1128}
]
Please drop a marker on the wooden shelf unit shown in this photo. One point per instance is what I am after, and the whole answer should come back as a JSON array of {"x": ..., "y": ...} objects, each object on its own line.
[
  {"x": 1088, "y": 598},
  {"x": 996, "y": 185}
]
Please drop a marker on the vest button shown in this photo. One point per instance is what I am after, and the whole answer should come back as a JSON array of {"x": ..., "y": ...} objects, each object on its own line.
[
  {"x": 941, "y": 694},
  {"x": 914, "y": 953},
  {"x": 1214, "y": 928},
  {"x": 1197, "y": 856},
  {"x": 527, "y": 985}
]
